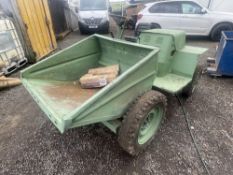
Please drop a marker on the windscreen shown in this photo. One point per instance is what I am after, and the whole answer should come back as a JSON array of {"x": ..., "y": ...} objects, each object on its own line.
[{"x": 93, "y": 5}]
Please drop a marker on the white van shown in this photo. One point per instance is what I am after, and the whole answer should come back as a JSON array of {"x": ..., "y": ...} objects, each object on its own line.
[{"x": 92, "y": 15}]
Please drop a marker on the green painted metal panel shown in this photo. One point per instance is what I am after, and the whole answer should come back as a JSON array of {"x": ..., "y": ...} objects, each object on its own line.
[
  {"x": 53, "y": 83},
  {"x": 177, "y": 62},
  {"x": 112, "y": 125},
  {"x": 178, "y": 36},
  {"x": 172, "y": 83}
]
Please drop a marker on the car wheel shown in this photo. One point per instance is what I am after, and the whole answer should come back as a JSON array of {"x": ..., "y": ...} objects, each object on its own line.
[
  {"x": 141, "y": 27},
  {"x": 155, "y": 26},
  {"x": 106, "y": 30},
  {"x": 217, "y": 31},
  {"x": 141, "y": 122}
]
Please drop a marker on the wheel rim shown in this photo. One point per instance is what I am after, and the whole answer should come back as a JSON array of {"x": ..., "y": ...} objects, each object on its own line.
[{"x": 150, "y": 125}]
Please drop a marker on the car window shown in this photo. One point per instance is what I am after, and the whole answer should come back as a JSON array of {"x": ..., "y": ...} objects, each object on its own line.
[
  {"x": 86, "y": 5},
  {"x": 168, "y": 7},
  {"x": 190, "y": 8}
]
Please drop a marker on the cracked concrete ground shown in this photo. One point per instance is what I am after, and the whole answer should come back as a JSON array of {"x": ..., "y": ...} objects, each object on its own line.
[{"x": 30, "y": 144}]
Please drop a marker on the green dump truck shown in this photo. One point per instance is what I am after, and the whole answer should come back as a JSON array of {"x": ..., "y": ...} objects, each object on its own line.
[{"x": 129, "y": 106}]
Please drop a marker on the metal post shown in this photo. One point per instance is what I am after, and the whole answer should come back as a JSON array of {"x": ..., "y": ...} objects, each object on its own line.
[
  {"x": 122, "y": 11},
  {"x": 209, "y": 3}
]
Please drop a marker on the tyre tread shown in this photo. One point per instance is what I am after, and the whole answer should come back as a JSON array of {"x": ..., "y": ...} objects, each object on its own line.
[{"x": 128, "y": 132}]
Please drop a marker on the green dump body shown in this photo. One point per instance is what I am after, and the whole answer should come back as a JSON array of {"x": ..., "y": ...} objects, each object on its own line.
[
  {"x": 54, "y": 82},
  {"x": 176, "y": 61}
]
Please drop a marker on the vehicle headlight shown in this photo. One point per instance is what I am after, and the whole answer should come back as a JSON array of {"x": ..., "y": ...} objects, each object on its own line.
[
  {"x": 103, "y": 20},
  {"x": 81, "y": 20}
]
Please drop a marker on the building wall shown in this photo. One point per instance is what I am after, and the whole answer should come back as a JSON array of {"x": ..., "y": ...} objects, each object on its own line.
[
  {"x": 57, "y": 11},
  {"x": 218, "y": 5},
  {"x": 222, "y": 5},
  {"x": 204, "y": 2}
]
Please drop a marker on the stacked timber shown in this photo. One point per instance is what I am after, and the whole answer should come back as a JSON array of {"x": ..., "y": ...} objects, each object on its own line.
[{"x": 9, "y": 82}]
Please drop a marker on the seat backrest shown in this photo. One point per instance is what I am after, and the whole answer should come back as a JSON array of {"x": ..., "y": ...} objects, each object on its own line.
[
  {"x": 184, "y": 63},
  {"x": 167, "y": 49},
  {"x": 185, "y": 60}
]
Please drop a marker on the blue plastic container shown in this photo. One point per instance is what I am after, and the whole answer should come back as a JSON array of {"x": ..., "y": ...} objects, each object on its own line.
[{"x": 223, "y": 64}]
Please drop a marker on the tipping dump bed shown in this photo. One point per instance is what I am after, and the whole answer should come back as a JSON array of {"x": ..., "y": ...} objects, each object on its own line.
[
  {"x": 53, "y": 83},
  {"x": 62, "y": 97}
]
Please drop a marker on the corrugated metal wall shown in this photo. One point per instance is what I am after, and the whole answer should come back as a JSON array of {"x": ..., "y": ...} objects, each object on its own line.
[
  {"x": 37, "y": 19},
  {"x": 57, "y": 9}
]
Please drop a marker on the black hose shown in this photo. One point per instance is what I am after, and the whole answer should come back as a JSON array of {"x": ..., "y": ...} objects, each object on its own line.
[
  {"x": 192, "y": 136},
  {"x": 112, "y": 35}
]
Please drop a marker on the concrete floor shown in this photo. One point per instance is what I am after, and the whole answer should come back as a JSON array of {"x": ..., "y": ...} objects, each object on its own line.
[{"x": 30, "y": 144}]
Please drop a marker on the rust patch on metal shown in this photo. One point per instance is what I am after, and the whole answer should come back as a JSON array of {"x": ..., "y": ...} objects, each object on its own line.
[{"x": 68, "y": 96}]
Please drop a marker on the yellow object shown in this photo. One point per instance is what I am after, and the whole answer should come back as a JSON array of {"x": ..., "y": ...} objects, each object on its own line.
[{"x": 37, "y": 18}]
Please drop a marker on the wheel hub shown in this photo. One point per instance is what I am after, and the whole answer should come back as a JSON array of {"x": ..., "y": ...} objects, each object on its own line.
[{"x": 150, "y": 125}]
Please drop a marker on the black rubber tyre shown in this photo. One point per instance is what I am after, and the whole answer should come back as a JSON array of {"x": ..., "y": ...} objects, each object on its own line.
[
  {"x": 217, "y": 30},
  {"x": 146, "y": 26},
  {"x": 135, "y": 117},
  {"x": 188, "y": 90},
  {"x": 141, "y": 27},
  {"x": 82, "y": 31},
  {"x": 155, "y": 26},
  {"x": 105, "y": 31}
]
